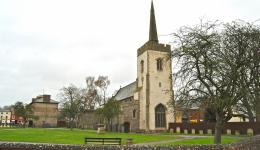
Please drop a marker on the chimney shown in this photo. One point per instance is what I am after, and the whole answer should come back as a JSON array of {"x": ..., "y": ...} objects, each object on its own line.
[{"x": 46, "y": 98}]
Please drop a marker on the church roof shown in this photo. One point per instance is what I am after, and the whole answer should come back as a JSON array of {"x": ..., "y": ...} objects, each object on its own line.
[{"x": 126, "y": 91}]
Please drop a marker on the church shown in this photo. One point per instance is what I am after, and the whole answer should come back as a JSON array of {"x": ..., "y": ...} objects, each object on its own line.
[{"x": 144, "y": 103}]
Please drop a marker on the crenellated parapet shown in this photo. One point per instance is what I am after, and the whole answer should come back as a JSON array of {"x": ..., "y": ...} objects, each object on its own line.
[{"x": 151, "y": 45}]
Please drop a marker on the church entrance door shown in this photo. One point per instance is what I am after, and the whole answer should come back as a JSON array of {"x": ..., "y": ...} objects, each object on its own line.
[
  {"x": 126, "y": 127},
  {"x": 160, "y": 118}
]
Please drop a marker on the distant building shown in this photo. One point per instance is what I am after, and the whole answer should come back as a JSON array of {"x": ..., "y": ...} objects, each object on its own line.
[
  {"x": 5, "y": 116},
  {"x": 189, "y": 115},
  {"x": 239, "y": 118},
  {"x": 18, "y": 119},
  {"x": 46, "y": 111},
  {"x": 199, "y": 113}
]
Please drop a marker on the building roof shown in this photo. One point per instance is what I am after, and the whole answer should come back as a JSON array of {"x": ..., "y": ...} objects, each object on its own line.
[
  {"x": 126, "y": 91},
  {"x": 153, "y": 30},
  {"x": 44, "y": 99},
  {"x": 40, "y": 100},
  {"x": 5, "y": 110}
]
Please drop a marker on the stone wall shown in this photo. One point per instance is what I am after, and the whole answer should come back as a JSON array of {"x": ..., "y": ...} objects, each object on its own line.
[
  {"x": 47, "y": 113},
  {"x": 128, "y": 106},
  {"x": 252, "y": 143},
  {"x": 89, "y": 120}
]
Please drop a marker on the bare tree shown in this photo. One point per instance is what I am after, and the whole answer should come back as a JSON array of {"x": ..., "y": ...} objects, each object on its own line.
[
  {"x": 90, "y": 94},
  {"x": 76, "y": 101},
  {"x": 109, "y": 111},
  {"x": 71, "y": 104},
  {"x": 210, "y": 58},
  {"x": 244, "y": 38},
  {"x": 102, "y": 84},
  {"x": 25, "y": 111}
]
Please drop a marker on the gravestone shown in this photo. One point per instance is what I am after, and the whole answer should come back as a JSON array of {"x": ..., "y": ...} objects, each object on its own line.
[
  {"x": 193, "y": 131},
  {"x": 250, "y": 132},
  {"x": 185, "y": 131},
  {"x": 237, "y": 132},
  {"x": 171, "y": 130},
  {"x": 201, "y": 131},
  {"x": 228, "y": 131},
  {"x": 178, "y": 130},
  {"x": 209, "y": 131}
]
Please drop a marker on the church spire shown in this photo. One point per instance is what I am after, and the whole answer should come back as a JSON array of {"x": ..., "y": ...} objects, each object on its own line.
[{"x": 153, "y": 30}]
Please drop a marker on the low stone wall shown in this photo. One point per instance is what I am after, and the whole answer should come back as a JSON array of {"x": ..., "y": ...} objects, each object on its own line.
[{"x": 252, "y": 143}]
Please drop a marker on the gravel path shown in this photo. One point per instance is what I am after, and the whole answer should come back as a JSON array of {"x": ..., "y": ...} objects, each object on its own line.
[{"x": 184, "y": 137}]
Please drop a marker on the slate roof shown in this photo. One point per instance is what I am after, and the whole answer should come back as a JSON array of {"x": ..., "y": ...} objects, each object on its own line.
[
  {"x": 5, "y": 110},
  {"x": 126, "y": 91},
  {"x": 40, "y": 100},
  {"x": 153, "y": 30}
]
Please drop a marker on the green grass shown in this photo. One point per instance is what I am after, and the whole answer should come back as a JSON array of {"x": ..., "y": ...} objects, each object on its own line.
[
  {"x": 66, "y": 136},
  {"x": 76, "y": 136}
]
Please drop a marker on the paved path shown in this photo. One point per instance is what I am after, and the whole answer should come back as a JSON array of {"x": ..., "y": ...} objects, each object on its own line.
[{"x": 182, "y": 137}]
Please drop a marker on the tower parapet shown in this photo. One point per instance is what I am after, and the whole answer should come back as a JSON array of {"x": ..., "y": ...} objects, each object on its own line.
[{"x": 151, "y": 45}]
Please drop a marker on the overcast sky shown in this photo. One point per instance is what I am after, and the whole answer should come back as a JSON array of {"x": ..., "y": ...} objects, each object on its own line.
[{"x": 48, "y": 44}]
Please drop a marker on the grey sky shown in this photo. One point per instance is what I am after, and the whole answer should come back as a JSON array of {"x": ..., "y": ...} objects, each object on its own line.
[{"x": 47, "y": 44}]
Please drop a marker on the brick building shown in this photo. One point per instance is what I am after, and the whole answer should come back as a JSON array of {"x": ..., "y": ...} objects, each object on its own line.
[
  {"x": 190, "y": 115},
  {"x": 46, "y": 111}
]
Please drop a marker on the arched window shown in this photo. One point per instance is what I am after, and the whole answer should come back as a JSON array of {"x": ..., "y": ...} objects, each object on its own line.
[
  {"x": 134, "y": 113},
  {"x": 142, "y": 66},
  {"x": 160, "y": 118},
  {"x": 159, "y": 64}
]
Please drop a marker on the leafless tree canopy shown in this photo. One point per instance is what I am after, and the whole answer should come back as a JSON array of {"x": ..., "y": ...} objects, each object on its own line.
[
  {"x": 218, "y": 66},
  {"x": 76, "y": 101}
]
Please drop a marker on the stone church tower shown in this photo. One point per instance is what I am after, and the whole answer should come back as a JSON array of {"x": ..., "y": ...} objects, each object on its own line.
[
  {"x": 144, "y": 103},
  {"x": 154, "y": 83}
]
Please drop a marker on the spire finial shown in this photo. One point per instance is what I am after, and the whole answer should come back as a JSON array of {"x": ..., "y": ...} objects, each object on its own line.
[{"x": 153, "y": 30}]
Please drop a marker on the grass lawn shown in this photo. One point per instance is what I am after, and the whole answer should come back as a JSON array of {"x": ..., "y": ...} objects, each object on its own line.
[
  {"x": 76, "y": 136},
  {"x": 67, "y": 136}
]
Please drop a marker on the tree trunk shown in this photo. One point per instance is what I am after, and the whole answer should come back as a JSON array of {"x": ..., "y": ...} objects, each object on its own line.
[
  {"x": 71, "y": 123},
  {"x": 249, "y": 110},
  {"x": 117, "y": 124},
  {"x": 258, "y": 110},
  {"x": 257, "y": 83},
  {"x": 218, "y": 129},
  {"x": 257, "y": 99},
  {"x": 250, "y": 116},
  {"x": 111, "y": 125}
]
